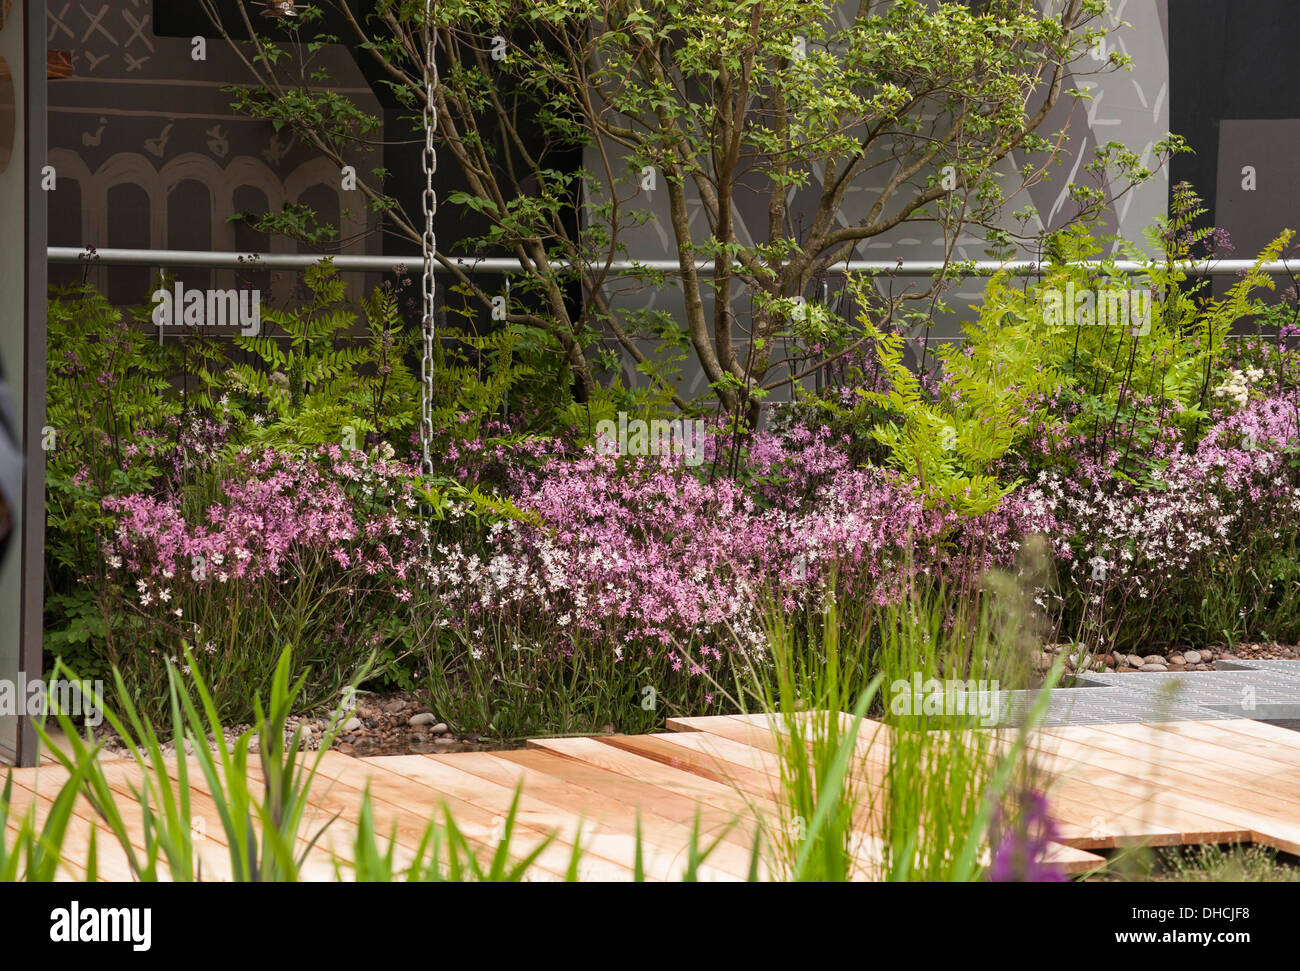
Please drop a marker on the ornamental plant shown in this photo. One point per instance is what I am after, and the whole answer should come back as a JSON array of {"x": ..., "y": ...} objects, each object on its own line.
[{"x": 563, "y": 120}]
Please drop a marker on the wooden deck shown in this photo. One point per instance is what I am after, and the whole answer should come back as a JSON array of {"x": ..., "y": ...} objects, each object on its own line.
[{"x": 1116, "y": 785}]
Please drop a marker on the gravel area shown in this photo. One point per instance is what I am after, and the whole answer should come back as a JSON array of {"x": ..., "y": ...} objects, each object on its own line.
[
  {"x": 387, "y": 723},
  {"x": 1176, "y": 659}
]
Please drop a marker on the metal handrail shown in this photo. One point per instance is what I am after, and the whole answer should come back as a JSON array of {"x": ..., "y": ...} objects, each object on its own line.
[{"x": 498, "y": 265}]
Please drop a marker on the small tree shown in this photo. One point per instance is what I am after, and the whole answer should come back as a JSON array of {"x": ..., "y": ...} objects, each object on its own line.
[{"x": 719, "y": 99}]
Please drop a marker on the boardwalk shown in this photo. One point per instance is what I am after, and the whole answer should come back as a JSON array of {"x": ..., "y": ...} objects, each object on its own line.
[{"x": 1113, "y": 785}]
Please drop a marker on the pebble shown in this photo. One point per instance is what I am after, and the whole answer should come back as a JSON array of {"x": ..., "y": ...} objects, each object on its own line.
[
  {"x": 353, "y": 724},
  {"x": 1192, "y": 657},
  {"x": 1135, "y": 662},
  {"x": 423, "y": 718},
  {"x": 1153, "y": 659},
  {"x": 1177, "y": 660},
  {"x": 1153, "y": 667}
]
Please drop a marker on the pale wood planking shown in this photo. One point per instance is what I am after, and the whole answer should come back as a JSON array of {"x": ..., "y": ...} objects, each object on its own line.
[
  {"x": 1162, "y": 783},
  {"x": 550, "y": 779}
]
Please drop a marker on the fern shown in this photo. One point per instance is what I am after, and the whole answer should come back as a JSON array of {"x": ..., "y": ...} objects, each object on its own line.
[
  {"x": 314, "y": 383},
  {"x": 995, "y": 385}
]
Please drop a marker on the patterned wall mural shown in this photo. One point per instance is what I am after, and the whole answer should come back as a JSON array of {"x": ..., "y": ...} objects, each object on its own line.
[{"x": 149, "y": 153}]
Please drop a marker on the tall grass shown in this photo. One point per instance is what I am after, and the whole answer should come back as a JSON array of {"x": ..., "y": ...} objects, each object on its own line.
[
  {"x": 910, "y": 794},
  {"x": 814, "y": 675}
]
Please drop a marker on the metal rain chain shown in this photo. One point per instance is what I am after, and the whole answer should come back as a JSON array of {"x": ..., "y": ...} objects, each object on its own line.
[{"x": 429, "y": 241}]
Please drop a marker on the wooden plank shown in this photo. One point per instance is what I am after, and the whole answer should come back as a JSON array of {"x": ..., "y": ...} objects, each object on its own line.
[
  {"x": 610, "y": 759},
  {"x": 755, "y": 778},
  {"x": 608, "y": 806},
  {"x": 609, "y": 845},
  {"x": 1109, "y": 785},
  {"x": 478, "y": 809},
  {"x": 682, "y": 810},
  {"x": 112, "y": 859},
  {"x": 1224, "y": 740},
  {"x": 1196, "y": 816},
  {"x": 1242, "y": 769},
  {"x": 671, "y": 780},
  {"x": 1214, "y": 790},
  {"x": 410, "y": 804},
  {"x": 1073, "y": 861}
]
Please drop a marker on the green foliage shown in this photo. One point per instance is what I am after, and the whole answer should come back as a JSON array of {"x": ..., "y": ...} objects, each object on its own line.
[
  {"x": 946, "y": 775},
  {"x": 443, "y": 495},
  {"x": 316, "y": 384},
  {"x": 107, "y": 396},
  {"x": 35, "y": 853},
  {"x": 261, "y": 834},
  {"x": 1117, "y": 383},
  {"x": 992, "y": 397},
  {"x": 115, "y": 420},
  {"x": 811, "y": 682},
  {"x": 1123, "y": 385}
]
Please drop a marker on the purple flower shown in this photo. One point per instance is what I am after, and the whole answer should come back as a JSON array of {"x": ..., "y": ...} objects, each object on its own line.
[{"x": 1020, "y": 845}]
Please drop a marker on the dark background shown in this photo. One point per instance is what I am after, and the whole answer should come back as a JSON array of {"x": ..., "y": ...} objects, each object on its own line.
[{"x": 1228, "y": 60}]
